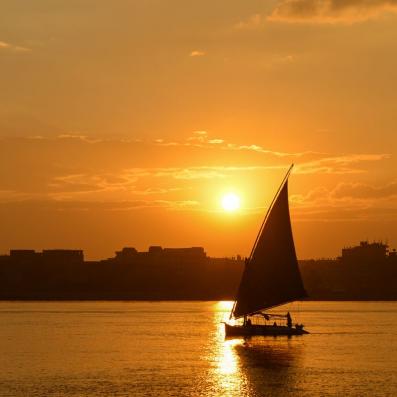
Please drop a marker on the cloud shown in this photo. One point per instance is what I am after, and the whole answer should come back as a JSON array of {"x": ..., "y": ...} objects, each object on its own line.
[
  {"x": 128, "y": 183},
  {"x": 125, "y": 182},
  {"x": 202, "y": 140},
  {"x": 151, "y": 191},
  {"x": 199, "y": 172},
  {"x": 261, "y": 149},
  {"x": 197, "y": 53},
  {"x": 14, "y": 48},
  {"x": 141, "y": 204},
  {"x": 348, "y": 214},
  {"x": 60, "y": 205},
  {"x": 81, "y": 137},
  {"x": 344, "y": 164},
  {"x": 331, "y": 11},
  {"x": 74, "y": 168},
  {"x": 347, "y": 202},
  {"x": 365, "y": 191},
  {"x": 253, "y": 22},
  {"x": 358, "y": 195},
  {"x": 89, "y": 183},
  {"x": 216, "y": 141},
  {"x": 192, "y": 173},
  {"x": 11, "y": 195},
  {"x": 198, "y": 136}
]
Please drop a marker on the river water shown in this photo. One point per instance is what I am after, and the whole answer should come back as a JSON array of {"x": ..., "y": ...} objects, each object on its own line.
[{"x": 179, "y": 349}]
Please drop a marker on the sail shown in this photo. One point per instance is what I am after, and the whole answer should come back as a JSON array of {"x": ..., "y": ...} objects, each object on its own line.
[{"x": 271, "y": 276}]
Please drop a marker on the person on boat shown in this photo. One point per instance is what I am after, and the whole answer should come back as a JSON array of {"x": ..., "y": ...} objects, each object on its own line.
[
  {"x": 289, "y": 320},
  {"x": 249, "y": 323},
  {"x": 274, "y": 324}
]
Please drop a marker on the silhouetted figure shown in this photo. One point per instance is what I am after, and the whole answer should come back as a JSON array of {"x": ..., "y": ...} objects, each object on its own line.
[
  {"x": 274, "y": 324},
  {"x": 289, "y": 320},
  {"x": 299, "y": 326},
  {"x": 249, "y": 323}
]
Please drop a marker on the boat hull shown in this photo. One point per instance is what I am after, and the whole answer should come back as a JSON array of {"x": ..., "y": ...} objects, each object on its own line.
[{"x": 266, "y": 330}]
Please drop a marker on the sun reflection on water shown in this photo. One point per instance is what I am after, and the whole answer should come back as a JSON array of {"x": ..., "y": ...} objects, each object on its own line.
[
  {"x": 228, "y": 358},
  {"x": 253, "y": 366},
  {"x": 224, "y": 306},
  {"x": 247, "y": 367},
  {"x": 230, "y": 378}
]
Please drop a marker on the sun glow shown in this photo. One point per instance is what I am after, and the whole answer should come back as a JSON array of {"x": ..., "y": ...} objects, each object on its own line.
[
  {"x": 230, "y": 202},
  {"x": 224, "y": 306}
]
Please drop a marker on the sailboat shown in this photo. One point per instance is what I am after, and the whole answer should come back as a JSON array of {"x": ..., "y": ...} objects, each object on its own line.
[{"x": 271, "y": 276}]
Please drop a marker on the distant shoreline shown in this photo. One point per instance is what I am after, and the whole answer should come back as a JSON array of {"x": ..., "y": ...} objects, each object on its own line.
[
  {"x": 180, "y": 300},
  {"x": 363, "y": 273}
]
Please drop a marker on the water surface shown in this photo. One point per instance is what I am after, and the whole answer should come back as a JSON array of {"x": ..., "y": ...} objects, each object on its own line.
[{"x": 178, "y": 349}]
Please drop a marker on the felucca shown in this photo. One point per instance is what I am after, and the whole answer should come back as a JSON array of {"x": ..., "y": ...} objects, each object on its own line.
[{"x": 271, "y": 276}]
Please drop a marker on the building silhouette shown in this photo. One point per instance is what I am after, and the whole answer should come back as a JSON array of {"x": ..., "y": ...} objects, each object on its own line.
[{"x": 366, "y": 271}]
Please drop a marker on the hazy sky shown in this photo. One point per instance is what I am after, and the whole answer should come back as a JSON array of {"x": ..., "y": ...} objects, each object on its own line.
[{"x": 124, "y": 122}]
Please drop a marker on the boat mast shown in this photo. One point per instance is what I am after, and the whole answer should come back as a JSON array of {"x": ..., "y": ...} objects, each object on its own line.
[{"x": 262, "y": 226}]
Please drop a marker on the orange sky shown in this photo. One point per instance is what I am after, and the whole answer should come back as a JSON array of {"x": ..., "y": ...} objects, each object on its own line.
[{"x": 124, "y": 124}]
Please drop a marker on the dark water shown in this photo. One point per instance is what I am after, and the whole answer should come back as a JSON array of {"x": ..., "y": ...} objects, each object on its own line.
[{"x": 178, "y": 349}]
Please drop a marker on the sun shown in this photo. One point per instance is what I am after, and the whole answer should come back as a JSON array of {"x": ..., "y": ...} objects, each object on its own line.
[{"x": 230, "y": 202}]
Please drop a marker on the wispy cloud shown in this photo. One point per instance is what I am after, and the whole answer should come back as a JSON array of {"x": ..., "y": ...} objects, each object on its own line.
[
  {"x": 74, "y": 167},
  {"x": 14, "y": 48},
  {"x": 141, "y": 204},
  {"x": 216, "y": 141},
  {"x": 321, "y": 12},
  {"x": 339, "y": 164},
  {"x": 365, "y": 191},
  {"x": 67, "y": 187},
  {"x": 359, "y": 194},
  {"x": 74, "y": 205},
  {"x": 202, "y": 139},
  {"x": 331, "y": 11},
  {"x": 307, "y": 162},
  {"x": 345, "y": 214},
  {"x": 78, "y": 136},
  {"x": 198, "y": 136},
  {"x": 347, "y": 202},
  {"x": 261, "y": 149},
  {"x": 198, "y": 172},
  {"x": 255, "y": 21},
  {"x": 10, "y": 195},
  {"x": 197, "y": 53},
  {"x": 127, "y": 180},
  {"x": 138, "y": 181}
]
